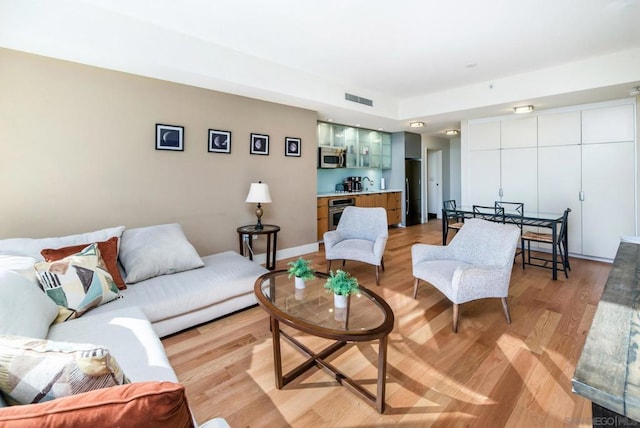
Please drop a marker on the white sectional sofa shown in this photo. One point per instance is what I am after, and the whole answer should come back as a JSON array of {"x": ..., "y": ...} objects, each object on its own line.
[{"x": 183, "y": 290}]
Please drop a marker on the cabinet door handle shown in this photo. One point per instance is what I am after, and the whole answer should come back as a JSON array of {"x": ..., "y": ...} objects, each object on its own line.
[{"x": 581, "y": 196}]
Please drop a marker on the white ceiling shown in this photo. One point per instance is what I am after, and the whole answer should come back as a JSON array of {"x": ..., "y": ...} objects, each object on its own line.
[{"x": 430, "y": 60}]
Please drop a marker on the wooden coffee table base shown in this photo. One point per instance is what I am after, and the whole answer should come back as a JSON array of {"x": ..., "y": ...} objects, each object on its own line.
[{"x": 317, "y": 359}]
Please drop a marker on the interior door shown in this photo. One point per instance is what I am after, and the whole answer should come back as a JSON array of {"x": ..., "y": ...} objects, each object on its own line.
[
  {"x": 413, "y": 191},
  {"x": 434, "y": 183}
]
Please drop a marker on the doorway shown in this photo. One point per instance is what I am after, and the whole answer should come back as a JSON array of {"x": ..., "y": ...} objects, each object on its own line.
[
  {"x": 434, "y": 184},
  {"x": 413, "y": 191}
]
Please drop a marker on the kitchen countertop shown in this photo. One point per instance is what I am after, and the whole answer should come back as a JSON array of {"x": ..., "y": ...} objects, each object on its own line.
[{"x": 346, "y": 194}]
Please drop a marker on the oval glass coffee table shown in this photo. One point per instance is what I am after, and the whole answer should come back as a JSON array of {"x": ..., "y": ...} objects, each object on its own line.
[{"x": 311, "y": 310}]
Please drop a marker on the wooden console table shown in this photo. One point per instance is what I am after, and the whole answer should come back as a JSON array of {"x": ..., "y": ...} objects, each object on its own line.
[{"x": 608, "y": 371}]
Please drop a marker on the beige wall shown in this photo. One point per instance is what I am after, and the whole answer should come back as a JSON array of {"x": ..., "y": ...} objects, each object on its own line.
[{"x": 77, "y": 153}]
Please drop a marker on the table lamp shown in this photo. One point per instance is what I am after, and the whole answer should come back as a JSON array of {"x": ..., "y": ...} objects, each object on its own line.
[{"x": 259, "y": 193}]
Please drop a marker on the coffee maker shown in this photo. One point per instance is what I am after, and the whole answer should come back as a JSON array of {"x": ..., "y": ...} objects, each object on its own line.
[{"x": 353, "y": 184}]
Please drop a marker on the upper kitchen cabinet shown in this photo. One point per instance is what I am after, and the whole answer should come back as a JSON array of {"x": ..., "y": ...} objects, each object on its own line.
[
  {"x": 385, "y": 162},
  {"x": 365, "y": 148},
  {"x": 331, "y": 135}
]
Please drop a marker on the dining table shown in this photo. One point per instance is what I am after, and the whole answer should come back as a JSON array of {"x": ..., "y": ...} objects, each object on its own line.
[{"x": 545, "y": 220}]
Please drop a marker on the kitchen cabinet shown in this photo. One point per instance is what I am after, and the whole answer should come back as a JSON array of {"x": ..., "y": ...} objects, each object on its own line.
[
  {"x": 323, "y": 217},
  {"x": 371, "y": 200},
  {"x": 394, "y": 207},
  {"x": 390, "y": 201},
  {"x": 364, "y": 148},
  {"x": 385, "y": 161}
]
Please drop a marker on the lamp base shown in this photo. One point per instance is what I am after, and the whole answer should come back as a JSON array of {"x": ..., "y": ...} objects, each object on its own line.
[{"x": 259, "y": 216}]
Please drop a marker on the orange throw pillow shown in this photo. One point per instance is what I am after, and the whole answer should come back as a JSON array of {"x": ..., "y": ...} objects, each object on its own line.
[
  {"x": 108, "y": 252},
  {"x": 141, "y": 404}
]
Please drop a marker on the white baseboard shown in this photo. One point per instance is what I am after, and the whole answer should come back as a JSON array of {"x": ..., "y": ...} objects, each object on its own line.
[{"x": 289, "y": 252}]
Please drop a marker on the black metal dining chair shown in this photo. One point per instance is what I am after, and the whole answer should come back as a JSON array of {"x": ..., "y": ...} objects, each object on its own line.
[
  {"x": 516, "y": 216},
  {"x": 547, "y": 238},
  {"x": 489, "y": 213},
  {"x": 451, "y": 219}
]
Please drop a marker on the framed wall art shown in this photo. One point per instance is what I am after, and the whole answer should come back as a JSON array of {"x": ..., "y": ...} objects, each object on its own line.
[
  {"x": 169, "y": 137},
  {"x": 259, "y": 144},
  {"x": 292, "y": 146},
  {"x": 219, "y": 141}
]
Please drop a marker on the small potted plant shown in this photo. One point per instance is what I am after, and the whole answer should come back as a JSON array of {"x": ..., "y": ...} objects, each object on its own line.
[
  {"x": 341, "y": 284},
  {"x": 302, "y": 272}
]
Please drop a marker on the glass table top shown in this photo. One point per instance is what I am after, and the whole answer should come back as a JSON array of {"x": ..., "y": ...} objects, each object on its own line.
[{"x": 313, "y": 306}]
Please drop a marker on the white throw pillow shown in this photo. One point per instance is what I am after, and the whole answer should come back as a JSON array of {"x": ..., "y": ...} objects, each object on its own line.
[
  {"x": 24, "y": 309},
  {"x": 20, "y": 264},
  {"x": 32, "y": 246},
  {"x": 151, "y": 251}
]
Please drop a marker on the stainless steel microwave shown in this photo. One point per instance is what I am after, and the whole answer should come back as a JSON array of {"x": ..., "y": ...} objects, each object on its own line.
[{"x": 331, "y": 157}]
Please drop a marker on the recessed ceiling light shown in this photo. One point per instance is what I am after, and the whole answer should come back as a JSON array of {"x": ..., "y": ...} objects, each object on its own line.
[
  {"x": 330, "y": 120},
  {"x": 523, "y": 109},
  {"x": 451, "y": 132},
  {"x": 357, "y": 125},
  {"x": 635, "y": 91},
  {"x": 416, "y": 124},
  {"x": 380, "y": 129}
]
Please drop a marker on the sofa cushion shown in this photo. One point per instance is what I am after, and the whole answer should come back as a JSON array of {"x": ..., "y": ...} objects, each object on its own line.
[
  {"x": 78, "y": 282},
  {"x": 108, "y": 252},
  {"x": 32, "y": 246},
  {"x": 224, "y": 277},
  {"x": 147, "y": 252},
  {"x": 24, "y": 308},
  {"x": 35, "y": 370},
  {"x": 128, "y": 335},
  {"x": 145, "y": 404}
]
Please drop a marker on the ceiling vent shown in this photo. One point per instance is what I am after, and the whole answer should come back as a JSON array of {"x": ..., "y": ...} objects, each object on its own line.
[{"x": 359, "y": 100}]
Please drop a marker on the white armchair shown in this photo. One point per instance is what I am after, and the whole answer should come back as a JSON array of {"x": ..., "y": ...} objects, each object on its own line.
[
  {"x": 475, "y": 265},
  {"x": 361, "y": 235}
]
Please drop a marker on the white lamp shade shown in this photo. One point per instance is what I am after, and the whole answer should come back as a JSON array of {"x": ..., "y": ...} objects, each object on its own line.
[{"x": 259, "y": 193}]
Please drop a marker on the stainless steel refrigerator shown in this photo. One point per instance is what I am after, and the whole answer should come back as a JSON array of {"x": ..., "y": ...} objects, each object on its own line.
[{"x": 413, "y": 191}]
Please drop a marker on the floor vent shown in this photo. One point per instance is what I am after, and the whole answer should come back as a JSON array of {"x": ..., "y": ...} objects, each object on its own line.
[{"x": 359, "y": 100}]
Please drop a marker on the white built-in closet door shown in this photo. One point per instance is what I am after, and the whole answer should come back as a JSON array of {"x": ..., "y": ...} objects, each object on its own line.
[
  {"x": 609, "y": 201},
  {"x": 519, "y": 177},
  {"x": 559, "y": 187},
  {"x": 484, "y": 177}
]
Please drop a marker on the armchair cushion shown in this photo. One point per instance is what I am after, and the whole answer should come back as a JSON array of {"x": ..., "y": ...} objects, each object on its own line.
[
  {"x": 476, "y": 264},
  {"x": 361, "y": 235}
]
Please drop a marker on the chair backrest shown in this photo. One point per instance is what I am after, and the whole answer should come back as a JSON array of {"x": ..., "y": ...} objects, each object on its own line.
[
  {"x": 482, "y": 242},
  {"x": 363, "y": 223},
  {"x": 488, "y": 213},
  {"x": 515, "y": 209},
  {"x": 449, "y": 205},
  {"x": 563, "y": 226}
]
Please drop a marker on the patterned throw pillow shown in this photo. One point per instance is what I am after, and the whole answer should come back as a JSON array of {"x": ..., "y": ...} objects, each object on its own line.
[
  {"x": 36, "y": 370},
  {"x": 108, "y": 252},
  {"x": 79, "y": 282}
]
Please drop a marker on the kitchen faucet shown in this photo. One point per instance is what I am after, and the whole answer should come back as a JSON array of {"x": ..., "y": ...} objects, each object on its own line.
[{"x": 370, "y": 181}]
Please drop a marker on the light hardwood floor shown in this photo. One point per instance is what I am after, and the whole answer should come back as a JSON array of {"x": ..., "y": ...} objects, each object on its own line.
[{"x": 490, "y": 374}]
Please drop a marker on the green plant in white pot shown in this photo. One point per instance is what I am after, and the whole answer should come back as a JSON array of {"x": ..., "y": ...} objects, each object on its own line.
[
  {"x": 302, "y": 271},
  {"x": 341, "y": 284}
]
